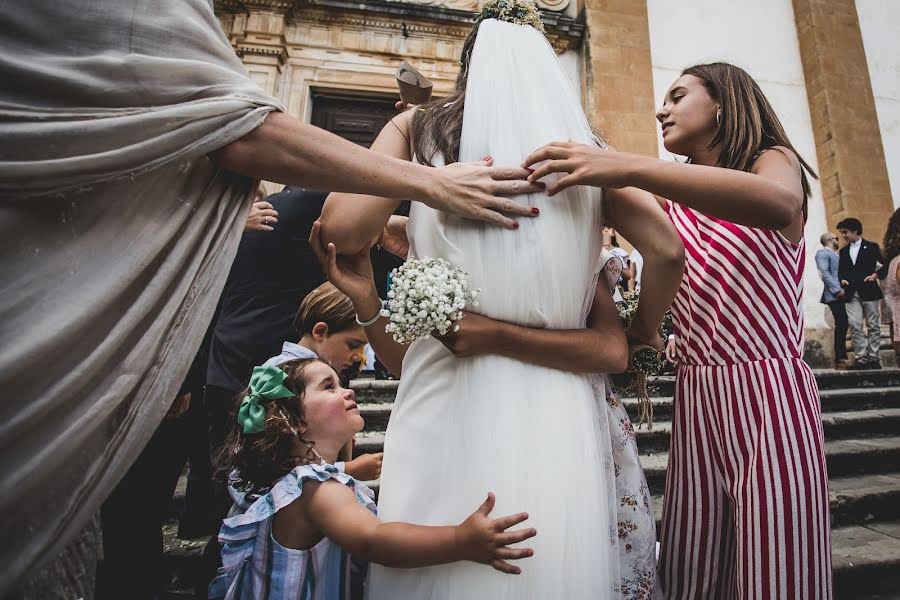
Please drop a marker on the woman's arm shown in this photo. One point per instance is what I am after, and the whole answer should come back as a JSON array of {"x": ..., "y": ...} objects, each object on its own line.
[
  {"x": 599, "y": 348},
  {"x": 345, "y": 222},
  {"x": 637, "y": 215},
  {"x": 286, "y": 150},
  {"x": 769, "y": 197},
  {"x": 352, "y": 221},
  {"x": 333, "y": 509},
  {"x": 352, "y": 274}
]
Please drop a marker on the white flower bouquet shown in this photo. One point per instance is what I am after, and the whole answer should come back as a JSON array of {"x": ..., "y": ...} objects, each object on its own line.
[{"x": 426, "y": 296}]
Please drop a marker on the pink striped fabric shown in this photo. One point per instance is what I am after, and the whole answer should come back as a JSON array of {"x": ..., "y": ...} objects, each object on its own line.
[
  {"x": 745, "y": 512},
  {"x": 740, "y": 296}
]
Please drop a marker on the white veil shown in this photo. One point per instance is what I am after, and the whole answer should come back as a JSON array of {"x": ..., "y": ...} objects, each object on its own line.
[{"x": 518, "y": 98}]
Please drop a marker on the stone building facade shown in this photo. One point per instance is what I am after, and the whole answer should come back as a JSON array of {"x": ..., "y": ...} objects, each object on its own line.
[{"x": 830, "y": 67}]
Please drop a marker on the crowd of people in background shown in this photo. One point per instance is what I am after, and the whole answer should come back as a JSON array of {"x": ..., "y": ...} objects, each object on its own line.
[{"x": 861, "y": 290}]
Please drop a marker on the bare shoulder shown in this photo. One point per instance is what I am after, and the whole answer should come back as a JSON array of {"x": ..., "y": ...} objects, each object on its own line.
[
  {"x": 781, "y": 157},
  {"x": 403, "y": 121}
]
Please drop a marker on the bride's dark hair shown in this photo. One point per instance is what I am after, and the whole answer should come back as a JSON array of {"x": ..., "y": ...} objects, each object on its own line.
[{"x": 437, "y": 125}]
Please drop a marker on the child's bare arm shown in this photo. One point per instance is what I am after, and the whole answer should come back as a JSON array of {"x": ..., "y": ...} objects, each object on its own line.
[{"x": 334, "y": 510}]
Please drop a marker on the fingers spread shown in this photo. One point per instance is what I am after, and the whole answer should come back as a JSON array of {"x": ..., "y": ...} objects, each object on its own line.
[
  {"x": 488, "y": 505},
  {"x": 551, "y": 166},
  {"x": 511, "y": 520},
  {"x": 505, "y": 567},
  {"x": 566, "y": 182},
  {"x": 490, "y": 216},
  {"x": 513, "y": 553},
  {"x": 547, "y": 152},
  {"x": 513, "y": 208},
  {"x": 514, "y": 537},
  {"x": 505, "y": 173}
]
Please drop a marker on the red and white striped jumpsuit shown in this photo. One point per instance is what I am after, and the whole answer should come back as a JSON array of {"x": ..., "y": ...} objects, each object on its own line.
[{"x": 746, "y": 512}]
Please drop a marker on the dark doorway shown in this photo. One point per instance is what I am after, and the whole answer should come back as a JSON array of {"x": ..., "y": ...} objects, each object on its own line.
[{"x": 354, "y": 118}]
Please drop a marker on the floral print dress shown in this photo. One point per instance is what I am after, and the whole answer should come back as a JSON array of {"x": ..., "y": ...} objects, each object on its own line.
[{"x": 636, "y": 526}]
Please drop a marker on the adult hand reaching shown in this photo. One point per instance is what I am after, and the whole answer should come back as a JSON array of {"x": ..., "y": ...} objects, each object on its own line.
[
  {"x": 394, "y": 238},
  {"x": 351, "y": 274},
  {"x": 261, "y": 218},
  {"x": 473, "y": 190},
  {"x": 582, "y": 164}
]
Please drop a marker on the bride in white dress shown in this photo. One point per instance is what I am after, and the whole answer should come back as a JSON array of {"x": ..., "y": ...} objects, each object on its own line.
[{"x": 537, "y": 436}]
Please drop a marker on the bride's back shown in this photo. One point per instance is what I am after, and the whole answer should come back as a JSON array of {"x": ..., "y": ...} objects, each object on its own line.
[{"x": 517, "y": 99}]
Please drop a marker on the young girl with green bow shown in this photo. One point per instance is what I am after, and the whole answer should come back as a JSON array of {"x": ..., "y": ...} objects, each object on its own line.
[{"x": 297, "y": 519}]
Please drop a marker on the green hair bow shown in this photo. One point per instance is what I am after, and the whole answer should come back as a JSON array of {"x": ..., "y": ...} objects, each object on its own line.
[{"x": 268, "y": 383}]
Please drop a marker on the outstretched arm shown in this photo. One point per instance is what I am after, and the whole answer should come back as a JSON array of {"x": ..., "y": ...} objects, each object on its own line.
[
  {"x": 286, "y": 150},
  {"x": 333, "y": 509},
  {"x": 637, "y": 215},
  {"x": 769, "y": 197},
  {"x": 353, "y": 222}
]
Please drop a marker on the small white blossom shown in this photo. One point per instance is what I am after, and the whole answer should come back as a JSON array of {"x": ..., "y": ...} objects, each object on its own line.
[{"x": 426, "y": 295}]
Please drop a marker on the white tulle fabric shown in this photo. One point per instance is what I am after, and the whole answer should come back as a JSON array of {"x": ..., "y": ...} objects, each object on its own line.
[{"x": 537, "y": 437}]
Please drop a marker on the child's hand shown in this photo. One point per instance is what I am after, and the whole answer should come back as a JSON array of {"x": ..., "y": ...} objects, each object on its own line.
[
  {"x": 366, "y": 467},
  {"x": 485, "y": 540}
]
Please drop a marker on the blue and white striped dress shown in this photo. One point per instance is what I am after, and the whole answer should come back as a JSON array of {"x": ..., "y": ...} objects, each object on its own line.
[{"x": 254, "y": 565}]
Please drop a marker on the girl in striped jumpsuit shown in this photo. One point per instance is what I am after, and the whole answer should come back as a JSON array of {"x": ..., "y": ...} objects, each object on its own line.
[{"x": 745, "y": 512}]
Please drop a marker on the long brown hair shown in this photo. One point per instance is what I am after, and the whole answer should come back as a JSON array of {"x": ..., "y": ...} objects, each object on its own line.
[
  {"x": 748, "y": 123},
  {"x": 437, "y": 125},
  {"x": 891, "y": 243},
  {"x": 256, "y": 461}
]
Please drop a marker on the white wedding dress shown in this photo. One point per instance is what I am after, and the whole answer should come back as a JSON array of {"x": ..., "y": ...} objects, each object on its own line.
[{"x": 536, "y": 437}]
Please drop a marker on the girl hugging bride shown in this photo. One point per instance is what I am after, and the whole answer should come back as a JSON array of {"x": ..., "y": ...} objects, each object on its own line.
[{"x": 515, "y": 401}]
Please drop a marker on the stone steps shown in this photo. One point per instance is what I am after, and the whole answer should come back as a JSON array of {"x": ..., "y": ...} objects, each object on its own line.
[
  {"x": 371, "y": 391},
  {"x": 866, "y": 561},
  {"x": 861, "y": 421},
  {"x": 844, "y": 457},
  {"x": 837, "y": 425},
  {"x": 377, "y": 414}
]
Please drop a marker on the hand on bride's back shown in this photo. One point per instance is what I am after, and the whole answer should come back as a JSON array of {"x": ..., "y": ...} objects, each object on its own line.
[
  {"x": 580, "y": 164},
  {"x": 472, "y": 338},
  {"x": 485, "y": 540},
  {"x": 475, "y": 190}
]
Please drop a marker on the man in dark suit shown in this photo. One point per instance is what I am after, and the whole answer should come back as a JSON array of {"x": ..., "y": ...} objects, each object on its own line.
[{"x": 858, "y": 266}]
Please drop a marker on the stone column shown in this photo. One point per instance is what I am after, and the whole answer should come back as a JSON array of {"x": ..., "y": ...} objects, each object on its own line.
[
  {"x": 618, "y": 74},
  {"x": 852, "y": 167},
  {"x": 261, "y": 43}
]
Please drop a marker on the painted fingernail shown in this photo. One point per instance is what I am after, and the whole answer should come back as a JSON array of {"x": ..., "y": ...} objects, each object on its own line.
[
  {"x": 516, "y": 225},
  {"x": 535, "y": 210},
  {"x": 486, "y": 158}
]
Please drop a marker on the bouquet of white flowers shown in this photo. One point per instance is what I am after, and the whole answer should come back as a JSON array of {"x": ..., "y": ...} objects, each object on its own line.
[{"x": 426, "y": 295}]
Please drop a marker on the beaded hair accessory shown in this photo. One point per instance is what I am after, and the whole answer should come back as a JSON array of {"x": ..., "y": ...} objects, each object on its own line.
[{"x": 520, "y": 12}]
